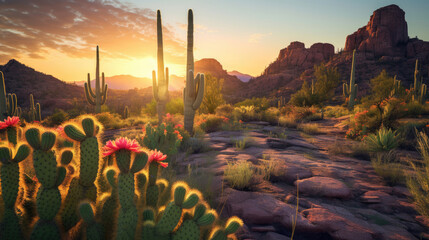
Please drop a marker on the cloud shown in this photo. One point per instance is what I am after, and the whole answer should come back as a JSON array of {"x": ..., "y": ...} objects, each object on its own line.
[
  {"x": 31, "y": 28},
  {"x": 256, "y": 37}
]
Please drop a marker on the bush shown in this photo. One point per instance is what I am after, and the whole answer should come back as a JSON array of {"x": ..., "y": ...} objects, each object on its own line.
[
  {"x": 210, "y": 122},
  {"x": 194, "y": 145},
  {"x": 212, "y": 94},
  {"x": 224, "y": 110},
  {"x": 336, "y": 111},
  {"x": 418, "y": 182},
  {"x": 241, "y": 144},
  {"x": 150, "y": 108},
  {"x": 288, "y": 121},
  {"x": 246, "y": 113},
  {"x": 111, "y": 120},
  {"x": 383, "y": 140},
  {"x": 271, "y": 115},
  {"x": 309, "y": 128},
  {"x": 57, "y": 118},
  {"x": 257, "y": 103},
  {"x": 386, "y": 165},
  {"x": 175, "y": 106},
  {"x": 239, "y": 174}
]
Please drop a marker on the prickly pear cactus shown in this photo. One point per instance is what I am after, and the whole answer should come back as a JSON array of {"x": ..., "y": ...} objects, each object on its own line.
[
  {"x": 190, "y": 229},
  {"x": 82, "y": 187},
  {"x": 231, "y": 226},
  {"x": 10, "y": 175},
  {"x": 50, "y": 176}
]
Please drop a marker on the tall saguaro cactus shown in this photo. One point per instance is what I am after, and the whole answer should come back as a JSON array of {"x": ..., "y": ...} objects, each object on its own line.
[
  {"x": 8, "y": 103},
  {"x": 160, "y": 90},
  {"x": 193, "y": 93},
  {"x": 99, "y": 97},
  {"x": 351, "y": 90},
  {"x": 34, "y": 110},
  {"x": 419, "y": 89}
]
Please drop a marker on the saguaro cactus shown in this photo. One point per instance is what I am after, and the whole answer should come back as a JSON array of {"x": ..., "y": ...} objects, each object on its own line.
[
  {"x": 351, "y": 90},
  {"x": 126, "y": 112},
  {"x": 99, "y": 97},
  {"x": 396, "y": 88},
  {"x": 419, "y": 89},
  {"x": 8, "y": 103},
  {"x": 34, "y": 110},
  {"x": 160, "y": 90},
  {"x": 193, "y": 93}
]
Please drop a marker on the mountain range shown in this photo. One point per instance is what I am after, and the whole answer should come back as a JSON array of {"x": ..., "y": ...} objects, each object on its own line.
[{"x": 382, "y": 44}]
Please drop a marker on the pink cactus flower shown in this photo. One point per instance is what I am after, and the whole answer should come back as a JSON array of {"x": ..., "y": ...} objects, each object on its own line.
[
  {"x": 9, "y": 122},
  {"x": 157, "y": 156},
  {"x": 121, "y": 143}
]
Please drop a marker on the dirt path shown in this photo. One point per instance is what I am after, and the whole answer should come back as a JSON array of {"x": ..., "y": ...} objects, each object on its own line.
[{"x": 340, "y": 197}]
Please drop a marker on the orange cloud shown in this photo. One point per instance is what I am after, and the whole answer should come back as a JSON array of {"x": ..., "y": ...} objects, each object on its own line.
[{"x": 32, "y": 28}]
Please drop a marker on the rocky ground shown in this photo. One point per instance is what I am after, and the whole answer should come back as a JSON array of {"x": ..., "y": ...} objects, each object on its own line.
[{"x": 340, "y": 197}]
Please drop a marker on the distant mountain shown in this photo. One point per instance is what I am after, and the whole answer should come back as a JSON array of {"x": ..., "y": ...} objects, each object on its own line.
[
  {"x": 231, "y": 86},
  {"x": 126, "y": 82},
  {"x": 242, "y": 76}
]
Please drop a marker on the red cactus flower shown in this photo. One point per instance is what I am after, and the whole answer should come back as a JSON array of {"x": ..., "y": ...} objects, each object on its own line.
[
  {"x": 240, "y": 121},
  {"x": 157, "y": 156},
  {"x": 9, "y": 122},
  {"x": 121, "y": 143},
  {"x": 178, "y": 126},
  {"x": 165, "y": 131},
  {"x": 178, "y": 135}
]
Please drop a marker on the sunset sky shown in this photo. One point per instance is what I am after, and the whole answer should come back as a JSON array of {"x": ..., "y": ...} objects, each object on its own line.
[{"x": 59, "y": 37}]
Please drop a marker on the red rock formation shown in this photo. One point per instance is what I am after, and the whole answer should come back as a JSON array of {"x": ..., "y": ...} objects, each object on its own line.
[
  {"x": 385, "y": 34},
  {"x": 296, "y": 55}
]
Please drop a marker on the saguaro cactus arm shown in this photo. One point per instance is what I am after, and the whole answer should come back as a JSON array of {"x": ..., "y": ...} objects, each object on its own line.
[{"x": 200, "y": 91}]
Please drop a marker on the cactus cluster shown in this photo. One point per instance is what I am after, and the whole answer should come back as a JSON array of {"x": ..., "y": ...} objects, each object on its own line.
[
  {"x": 193, "y": 93},
  {"x": 350, "y": 91},
  {"x": 160, "y": 89},
  {"x": 98, "y": 97},
  {"x": 418, "y": 89},
  {"x": 396, "y": 88},
  {"x": 8, "y": 102}
]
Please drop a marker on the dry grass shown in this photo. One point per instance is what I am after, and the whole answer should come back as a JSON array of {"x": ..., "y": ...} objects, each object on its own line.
[
  {"x": 309, "y": 128},
  {"x": 387, "y": 166},
  {"x": 239, "y": 174}
]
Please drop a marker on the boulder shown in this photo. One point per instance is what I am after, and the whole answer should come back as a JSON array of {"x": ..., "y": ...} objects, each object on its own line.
[{"x": 323, "y": 187}]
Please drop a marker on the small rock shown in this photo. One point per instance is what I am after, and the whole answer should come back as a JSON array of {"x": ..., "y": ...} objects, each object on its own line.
[{"x": 275, "y": 236}]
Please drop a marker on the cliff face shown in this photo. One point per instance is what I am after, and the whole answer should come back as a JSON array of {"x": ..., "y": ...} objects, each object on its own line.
[{"x": 382, "y": 44}]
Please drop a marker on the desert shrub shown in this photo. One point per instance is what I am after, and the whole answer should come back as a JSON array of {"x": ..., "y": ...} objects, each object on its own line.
[
  {"x": 224, "y": 110},
  {"x": 57, "y": 118},
  {"x": 239, "y": 174},
  {"x": 386, "y": 165},
  {"x": 418, "y": 182},
  {"x": 150, "y": 108},
  {"x": 270, "y": 168},
  {"x": 210, "y": 122},
  {"x": 257, "y": 103},
  {"x": 246, "y": 113},
  {"x": 383, "y": 140},
  {"x": 309, "y": 128},
  {"x": 413, "y": 109},
  {"x": 381, "y": 88},
  {"x": 212, "y": 94},
  {"x": 111, "y": 120},
  {"x": 407, "y": 134},
  {"x": 288, "y": 121},
  {"x": 175, "y": 106},
  {"x": 336, "y": 111},
  {"x": 271, "y": 115},
  {"x": 242, "y": 143},
  {"x": 322, "y": 89},
  {"x": 194, "y": 145}
]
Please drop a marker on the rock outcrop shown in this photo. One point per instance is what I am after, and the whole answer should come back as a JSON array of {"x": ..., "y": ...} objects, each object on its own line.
[
  {"x": 386, "y": 33},
  {"x": 297, "y": 56}
]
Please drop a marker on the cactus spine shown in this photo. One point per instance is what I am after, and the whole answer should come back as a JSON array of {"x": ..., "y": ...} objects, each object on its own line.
[
  {"x": 8, "y": 103},
  {"x": 50, "y": 176},
  {"x": 10, "y": 177},
  {"x": 350, "y": 91},
  {"x": 193, "y": 93},
  {"x": 82, "y": 187},
  {"x": 160, "y": 89},
  {"x": 34, "y": 110},
  {"x": 99, "y": 97}
]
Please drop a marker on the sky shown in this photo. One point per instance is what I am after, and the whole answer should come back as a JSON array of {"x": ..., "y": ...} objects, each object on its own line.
[{"x": 59, "y": 37}]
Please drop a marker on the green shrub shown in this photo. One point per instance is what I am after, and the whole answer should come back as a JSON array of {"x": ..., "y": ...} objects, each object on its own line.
[
  {"x": 212, "y": 94},
  {"x": 239, "y": 174},
  {"x": 386, "y": 165},
  {"x": 336, "y": 111},
  {"x": 309, "y": 128},
  {"x": 111, "y": 120},
  {"x": 418, "y": 181},
  {"x": 57, "y": 118},
  {"x": 288, "y": 121},
  {"x": 271, "y": 115},
  {"x": 175, "y": 106},
  {"x": 210, "y": 122},
  {"x": 150, "y": 108},
  {"x": 258, "y": 103},
  {"x": 224, "y": 110},
  {"x": 383, "y": 140},
  {"x": 246, "y": 113}
]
